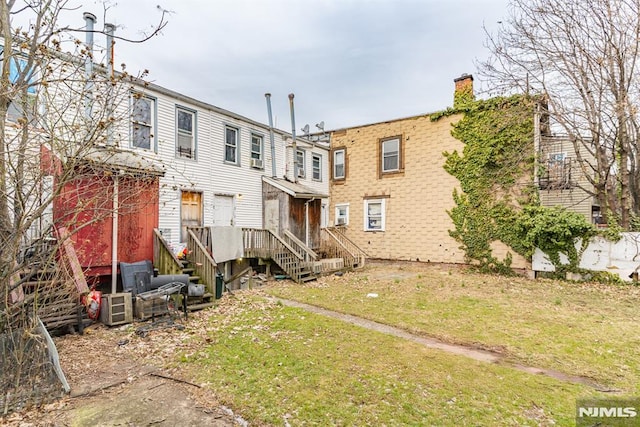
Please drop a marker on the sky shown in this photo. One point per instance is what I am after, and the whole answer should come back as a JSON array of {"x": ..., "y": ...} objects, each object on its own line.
[{"x": 348, "y": 62}]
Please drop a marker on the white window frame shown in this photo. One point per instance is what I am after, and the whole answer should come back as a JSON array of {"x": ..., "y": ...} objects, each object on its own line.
[
  {"x": 300, "y": 158},
  {"x": 184, "y": 133},
  {"x": 235, "y": 145},
  {"x": 338, "y": 214},
  {"x": 367, "y": 217},
  {"x": 150, "y": 124},
  {"x": 385, "y": 150},
  {"x": 258, "y": 155},
  {"x": 343, "y": 163},
  {"x": 316, "y": 172}
]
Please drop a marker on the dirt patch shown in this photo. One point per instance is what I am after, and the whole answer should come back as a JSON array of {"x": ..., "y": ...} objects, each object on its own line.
[{"x": 115, "y": 382}]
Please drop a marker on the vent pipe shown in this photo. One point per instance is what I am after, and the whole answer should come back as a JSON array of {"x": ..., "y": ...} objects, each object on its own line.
[
  {"x": 90, "y": 20},
  {"x": 109, "y": 30},
  {"x": 293, "y": 135},
  {"x": 273, "y": 144}
]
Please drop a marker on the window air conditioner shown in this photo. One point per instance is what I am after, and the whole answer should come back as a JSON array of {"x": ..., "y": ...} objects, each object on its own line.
[
  {"x": 340, "y": 221},
  {"x": 256, "y": 163},
  {"x": 301, "y": 173}
]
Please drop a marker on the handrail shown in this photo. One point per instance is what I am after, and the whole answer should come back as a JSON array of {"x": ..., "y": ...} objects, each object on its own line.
[
  {"x": 203, "y": 234},
  {"x": 298, "y": 245},
  {"x": 202, "y": 261},
  {"x": 265, "y": 244},
  {"x": 163, "y": 257},
  {"x": 336, "y": 244}
]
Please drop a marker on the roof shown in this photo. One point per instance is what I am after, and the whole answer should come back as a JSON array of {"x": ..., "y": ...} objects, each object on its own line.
[
  {"x": 123, "y": 160},
  {"x": 294, "y": 189}
]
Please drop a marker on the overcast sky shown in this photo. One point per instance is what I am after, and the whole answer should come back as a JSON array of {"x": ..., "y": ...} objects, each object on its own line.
[{"x": 348, "y": 62}]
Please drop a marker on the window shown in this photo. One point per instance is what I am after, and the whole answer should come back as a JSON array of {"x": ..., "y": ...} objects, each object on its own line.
[
  {"x": 300, "y": 157},
  {"x": 556, "y": 173},
  {"x": 231, "y": 145},
  {"x": 339, "y": 166},
  {"x": 185, "y": 135},
  {"x": 390, "y": 150},
  {"x": 142, "y": 121},
  {"x": 256, "y": 151},
  {"x": 21, "y": 106},
  {"x": 374, "y": 214},
  {"x": 316, "y": 167},
  {"x": 342, "y": 214},
  {"x": 18, "y": 66}
]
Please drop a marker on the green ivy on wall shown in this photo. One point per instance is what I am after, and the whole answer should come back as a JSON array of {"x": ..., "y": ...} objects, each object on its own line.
[{"x": 497, "y": 200}]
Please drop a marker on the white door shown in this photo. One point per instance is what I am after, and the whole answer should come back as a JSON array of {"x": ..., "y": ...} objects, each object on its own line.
[{"x": 223, "y": 211}]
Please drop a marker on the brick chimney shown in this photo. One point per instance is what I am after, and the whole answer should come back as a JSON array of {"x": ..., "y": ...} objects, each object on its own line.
[{"x": 463, "y": 91}]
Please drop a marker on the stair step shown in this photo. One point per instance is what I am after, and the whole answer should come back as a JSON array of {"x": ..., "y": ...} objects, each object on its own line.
[
  {"x": 194, "y": 279},
  {"x": 188, "y": 270},
  {"x": 203, "y": 298},
  {"x": 195, "y": 307},
  {"x": 308, "y": 278}
]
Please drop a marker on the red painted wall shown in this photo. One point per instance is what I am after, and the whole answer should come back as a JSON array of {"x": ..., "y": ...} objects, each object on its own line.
[{"x": 85, "y": 207}]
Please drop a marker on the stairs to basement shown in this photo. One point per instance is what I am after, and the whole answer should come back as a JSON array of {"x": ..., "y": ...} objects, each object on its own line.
[{"x": 203, "y": 301}]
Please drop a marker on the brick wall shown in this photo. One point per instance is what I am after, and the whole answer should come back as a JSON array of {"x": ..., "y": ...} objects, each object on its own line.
[{"x": 417, "y": 199}]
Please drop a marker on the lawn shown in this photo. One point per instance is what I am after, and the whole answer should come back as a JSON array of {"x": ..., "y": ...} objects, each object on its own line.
[
  {"x": 279, "y": 365},
  {"x": 583, "y": 329},
  {"x": 274, "y": 365}
]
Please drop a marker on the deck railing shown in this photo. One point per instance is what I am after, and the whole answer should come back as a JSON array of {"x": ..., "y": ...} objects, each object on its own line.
[
  {"x": 264, "y": 244},
  {"x": 163, "y": 257},
  {"x": 302, "y": 250},
  {"x": 203, "y": 234},
  {"x": 335, "y": 244},
  {"x": 203, "y": 263}
]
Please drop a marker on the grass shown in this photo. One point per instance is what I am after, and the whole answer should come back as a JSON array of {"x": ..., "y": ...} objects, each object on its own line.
[
  {"x": 275, "y": 365},
  {"x": 581, "y": 329}
]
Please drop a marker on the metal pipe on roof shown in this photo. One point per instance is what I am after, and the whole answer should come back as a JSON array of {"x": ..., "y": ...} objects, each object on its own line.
[
  {"x": 273, "y": 144},
  {"x": 109, "y": 30},
  {"x": 293, "y": 135},
  {"x": 90, "y": 20}
]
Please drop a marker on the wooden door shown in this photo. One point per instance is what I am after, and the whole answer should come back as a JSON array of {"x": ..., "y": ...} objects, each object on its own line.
[{"x": 191, "y": 212}]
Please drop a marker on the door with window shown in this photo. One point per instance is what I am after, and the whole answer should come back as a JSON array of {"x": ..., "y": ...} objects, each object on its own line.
[
  {"x": 223, "y": 211},
  {"x": 190, "y": 212}
]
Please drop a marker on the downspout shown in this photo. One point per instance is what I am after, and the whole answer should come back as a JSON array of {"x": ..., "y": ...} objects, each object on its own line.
[
  {"x": 109, "y": 29},
  {"x": 90, "y": 20},
  {"x": 307, "y": 234},
  {"x": 114, "y": 236},
  {"x": 273, "y": 144},
  {"x": 293, "y": 144}
]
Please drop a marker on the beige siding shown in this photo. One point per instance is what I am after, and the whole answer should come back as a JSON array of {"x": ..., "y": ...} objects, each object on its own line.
[
  {"x": 572, "y": 196},
  {"x": 417, "y": 200}
]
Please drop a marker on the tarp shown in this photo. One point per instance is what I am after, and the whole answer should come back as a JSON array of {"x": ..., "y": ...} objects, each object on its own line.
[{"x": 226, "y": 243}]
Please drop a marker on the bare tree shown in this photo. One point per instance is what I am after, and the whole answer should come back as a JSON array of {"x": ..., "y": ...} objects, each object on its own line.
[
  {"x": 59, "y": 112},
  {"x": 583, "y": 57}
]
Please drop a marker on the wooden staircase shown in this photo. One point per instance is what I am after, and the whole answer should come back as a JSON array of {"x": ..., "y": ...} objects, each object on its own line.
[
  {"x": 198, "y": 265},
  {"x": 295, "y": 259}
]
